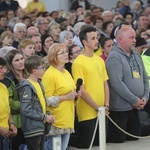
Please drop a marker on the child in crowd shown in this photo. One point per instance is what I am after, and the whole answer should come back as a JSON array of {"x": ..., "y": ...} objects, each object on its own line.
[
  {"x": 33, "y": 105},
  {"x": 6, "y": 41},
  {"x": 27, "y": 47},
  {"x": 6, "y": 38}
]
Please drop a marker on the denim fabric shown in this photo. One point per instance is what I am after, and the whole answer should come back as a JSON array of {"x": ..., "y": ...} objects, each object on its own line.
[
  {"x": 4, "y": 143},
  {"x": 64, "y": 141},
  {"x": 23, "y": 147}
]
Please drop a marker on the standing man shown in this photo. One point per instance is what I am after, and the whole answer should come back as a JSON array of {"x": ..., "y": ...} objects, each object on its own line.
[
  {"x": 9, "y": 4},
  {"x": 94, "y": 91},
  {"x": 76, "y": 3},
  {"x": 129, "y": 90}
]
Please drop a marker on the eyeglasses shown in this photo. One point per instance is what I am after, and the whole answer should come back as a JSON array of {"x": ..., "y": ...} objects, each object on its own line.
[
  {"x": 41, "y": 68},
  {"x": 78, "y": 51},
  {"x": 21, "y": 31},
  {"x": 63, "y": 53},
  {"x": 44, "y": 23}
]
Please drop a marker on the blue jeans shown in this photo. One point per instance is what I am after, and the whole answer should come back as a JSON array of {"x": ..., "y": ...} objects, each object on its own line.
[
  {"x": 4, "y": 143},
  {"x": 64, "y": 141}
]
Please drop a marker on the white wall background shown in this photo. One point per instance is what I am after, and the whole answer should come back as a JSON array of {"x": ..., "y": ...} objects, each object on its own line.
[
  {"x": 64, "y": 4},
  {"x": 23, "y": 3},
  {"x": 108, "y": 4}
]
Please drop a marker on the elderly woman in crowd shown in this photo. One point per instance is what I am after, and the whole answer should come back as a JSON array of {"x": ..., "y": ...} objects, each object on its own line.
[
  {"x": 66, "y": 37},
  {"x": 54, "y": 31},
  {"x": 20, "y": 31}
]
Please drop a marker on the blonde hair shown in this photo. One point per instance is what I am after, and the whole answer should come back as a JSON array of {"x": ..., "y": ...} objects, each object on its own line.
[
  {"x": 6, "y": 34},
  {"x": 25, "y": 42},
  {"x": 53, "y": 51},
  {"x": 52, "y": 25}
]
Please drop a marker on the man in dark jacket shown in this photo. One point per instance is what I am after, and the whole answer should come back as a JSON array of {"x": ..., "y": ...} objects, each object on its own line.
[
  {"x": 9, "y": 4},
  {"x": 76, "y": 3}
]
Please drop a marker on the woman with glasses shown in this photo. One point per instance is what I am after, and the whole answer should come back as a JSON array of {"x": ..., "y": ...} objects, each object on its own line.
[
  {"x": 60, "y": 93},
  {"x": 15, "y": 61},
  {"x": 74, "y": 51}
]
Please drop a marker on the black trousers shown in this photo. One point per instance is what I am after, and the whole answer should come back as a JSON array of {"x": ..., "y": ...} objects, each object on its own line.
[
  {"x": 36, "y": 143},
  {"x": 17, "y": 140},
  {"x": 128, "y": 121},
  {"x": 85, "y": 133}
]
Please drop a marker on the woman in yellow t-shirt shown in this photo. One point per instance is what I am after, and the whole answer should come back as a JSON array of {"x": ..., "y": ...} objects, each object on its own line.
[
  {"x": 60, "y": 93},
  {"x": 7, "y": 127}
]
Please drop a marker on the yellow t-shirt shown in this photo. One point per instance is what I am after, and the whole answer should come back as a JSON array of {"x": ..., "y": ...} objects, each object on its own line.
[
  {"x": 39, "y": 94},
  {"x": 57, "y": 83},
  {"x": 99, "y": 51},
  {"x": 4, "y": 106},
  {"x": 93, "y": 72},
  {"x": 35, "y": 5}
]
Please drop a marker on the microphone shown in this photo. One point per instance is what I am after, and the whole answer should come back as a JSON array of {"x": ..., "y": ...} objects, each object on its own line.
[{"x": 78, "y": 85}]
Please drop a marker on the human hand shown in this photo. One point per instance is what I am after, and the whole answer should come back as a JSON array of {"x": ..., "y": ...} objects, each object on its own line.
[
  {"x": 13, "y": 130},
  {"x": 71, "y": 95},
  {"x": 144, "y": 101},
  {"x": 5, "y": 132},
  {"x": 50, "y": 119},
  {"x": 107, "y": 109},
  {"x": 79, "y": 93},
  {"x": 140, "y": 104}
]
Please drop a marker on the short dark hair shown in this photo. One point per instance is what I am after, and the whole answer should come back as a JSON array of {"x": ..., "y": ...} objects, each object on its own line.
[
  {"x": 105, "y": 24},
  {"x": 123, "y": 23},
  {"x": 97, "y": 18},
  {"x": 84, "y": 30},
  {"x": 104, "y": 40},
  {"x": 2, "y": 62},
  {"x": 33, "y": 62},
  {"x": 126, "y": 14},
  {"x": 139, "y": 16},
  {"x": 70, "y": 50},
  {"x": 26, "y": 17}
]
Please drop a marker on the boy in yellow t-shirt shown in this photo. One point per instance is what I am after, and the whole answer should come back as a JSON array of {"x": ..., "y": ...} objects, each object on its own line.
[
  {"x": 33, "y": 105},
  {"x": 94, "y": 91},
  {"x": 7, "y": 127}
]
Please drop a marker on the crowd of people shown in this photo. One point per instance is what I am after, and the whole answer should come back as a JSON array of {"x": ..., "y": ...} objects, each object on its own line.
[{"x": 43, "y": 54}]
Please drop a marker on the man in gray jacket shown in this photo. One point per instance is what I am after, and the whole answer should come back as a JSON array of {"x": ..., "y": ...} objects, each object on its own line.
[{"x": 128, "y": 83}]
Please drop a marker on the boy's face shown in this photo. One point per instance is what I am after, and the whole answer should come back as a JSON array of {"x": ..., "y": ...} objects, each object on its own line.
[
  {"x": 92, "y": 41},
  {"x": 40, "y": 71},
  {"x": 29, "y": 50},
  {"x": 3, "y": 70}
]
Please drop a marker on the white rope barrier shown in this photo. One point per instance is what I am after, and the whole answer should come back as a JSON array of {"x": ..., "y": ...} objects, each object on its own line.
[{"x": 102, "y": 129}]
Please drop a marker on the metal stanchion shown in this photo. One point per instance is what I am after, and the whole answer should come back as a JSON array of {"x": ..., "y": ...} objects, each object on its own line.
[{"x": 102, "y": 128}]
